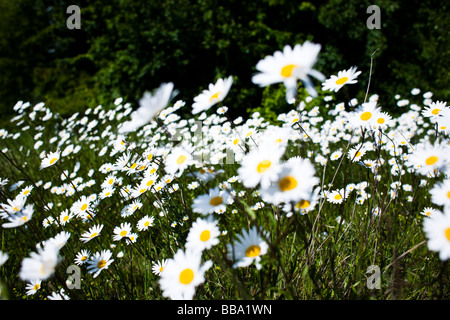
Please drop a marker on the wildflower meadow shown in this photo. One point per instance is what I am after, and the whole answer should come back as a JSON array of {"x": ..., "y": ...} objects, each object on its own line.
[{"x": 173, "y": 198}]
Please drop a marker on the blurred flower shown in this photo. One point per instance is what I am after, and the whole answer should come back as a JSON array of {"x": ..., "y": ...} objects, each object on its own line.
[{"x": 288, "y": 66}]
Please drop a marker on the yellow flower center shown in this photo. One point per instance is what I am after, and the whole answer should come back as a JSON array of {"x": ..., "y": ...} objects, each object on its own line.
[
  {"x": 205, "y": 235},
  {"x": 84, "y": 207},
  {"x": 236, "y": 141},
  {"x": 380, "y": 120},
  {"x": 150, "y": 156},
  {"x": 341, "y": 80},
  {"x": 447, "y": 233},
  {"x": 66, "y": 218},
  {"x": 215, "y": 96},
  {"x": 101, "y": 264},
  {"x": 150, "y": 183},
  {"x": 134, "y": 165},
  {"x": 435, "y": 111},
  {"x": 263, "y": 166},
  {"x": 84, "y": 258},
  {"x": 181, "y": 159},
  {"x": 161, "y": 269},
  {"x": 123, "y": 233},
  {"x": 338, "y": 197},
  {"x": 252, "y": 251},
  {"x": 216, "y": 201},
  {"x": 287, "y": 70},
  {"x": 303, "y": 204},
  {"x": 36, "y": 287},
  {"x": 431, "y": 160},
  {"x": 53, "y": 160},
  {"x": 26, "y": 192},
  {"x": 366, "y": 116},
  {"x": 147, "y": 223},
  {"x": 287, "y": 183},
  {"x": 110, "y": 181},
  {"x": 448, "y": 194},
  {"x": 186, "y": 276}
]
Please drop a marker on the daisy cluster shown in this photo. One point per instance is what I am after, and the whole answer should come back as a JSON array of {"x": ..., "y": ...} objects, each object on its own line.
[{"x": 118, "y": 175}]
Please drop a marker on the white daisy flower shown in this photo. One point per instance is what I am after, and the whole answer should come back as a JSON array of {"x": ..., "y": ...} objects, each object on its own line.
[{"x": 215, "y": 93}]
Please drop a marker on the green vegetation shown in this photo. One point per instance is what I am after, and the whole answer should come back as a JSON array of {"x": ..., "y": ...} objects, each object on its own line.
[{"x": 127, "y": 47}]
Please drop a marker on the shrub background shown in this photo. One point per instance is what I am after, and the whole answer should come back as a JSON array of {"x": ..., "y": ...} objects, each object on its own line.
[{"x": 127, "y": 47}]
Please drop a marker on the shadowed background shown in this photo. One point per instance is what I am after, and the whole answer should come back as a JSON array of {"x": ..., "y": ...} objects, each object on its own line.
[{"x": 127, "y": 47}]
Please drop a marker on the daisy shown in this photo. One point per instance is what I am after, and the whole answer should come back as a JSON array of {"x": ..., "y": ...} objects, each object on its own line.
[
  {"x": 356, "y": 153},
  {"x": 131, "y": 208},
  {"x": 249, "y": 248},
  {"x": 148, "y": 181},
  {"x": 20, "y": 218},
  {"x": 109, "y": 181},
  {"x": 289, "y": 66},
  {"x": 107, "y": 192},
  {"x": 335, "y": 83},
  {"x": 215, "y": 93},
  {"x": 81, "y": 208},
  {"x": 123, "y": 231},
  {"x": 178, "y": 160},
  {"x": 182, "y": 274},
  {"x": 93, "y": 232},
  {"x": 437, "y": 229},
  {"x": 82, "y": 257},
  {"x": 159, "y": 266},
  {"x": 65, "y": 217},
  {"x": 261, "y": 165},
  {"x": 440, "y": 193},
  {"x": 203, "y": 234},
  {"x": 303, "y": 206},
  {"x": 61, "y": 295},
  {"x": 59, "y": 240},
  {"x": 50, "y": 159},
  {"x": 47, "y": 222},
  {"x": 41, "y": 264},
  {"x": 131, "y": 238},
  {"x": 99, "y": 261},
  {"x": 335, "y": 155},
  {"x": 428, "y": 211},
  {"x": 33, "y": 287},
  {"x": 434, "y": 111},
  {"x": 145, "y": 222},
  {"x": 149, "y": 107},
  {"x": 294, "y": 182},
  {"x": 336, "y": 196},
  {"x": 13, "y": 206},
  {"x": 382, "y": 120},
  {"x": 215, "y": 200},
  {"x": 365, "y": 115},
  {"x": 26, "y": 191},
  {"x": 427, "y": 158}
]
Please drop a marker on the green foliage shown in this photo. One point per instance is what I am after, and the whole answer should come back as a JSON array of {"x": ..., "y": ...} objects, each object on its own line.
[{"x": 127, "y": 47}]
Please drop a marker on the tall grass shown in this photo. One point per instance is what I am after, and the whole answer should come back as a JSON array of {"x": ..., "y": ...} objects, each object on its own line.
[{"x": 323, "y": 254}]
